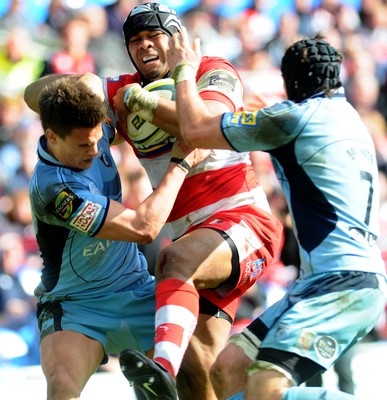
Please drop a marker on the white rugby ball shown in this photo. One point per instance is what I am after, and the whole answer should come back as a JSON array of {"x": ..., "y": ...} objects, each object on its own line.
[{"x": 145, "y": 136}]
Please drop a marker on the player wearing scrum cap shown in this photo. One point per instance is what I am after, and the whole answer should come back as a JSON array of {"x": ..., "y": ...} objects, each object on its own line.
[
  {"x": 224, "y": 235},
  {"x": 325, "y": 160}
]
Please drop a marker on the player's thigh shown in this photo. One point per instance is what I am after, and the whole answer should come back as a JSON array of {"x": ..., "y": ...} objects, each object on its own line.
[
  {"x": 202, "y": 255},
  {"x": 70, "y": 355}
]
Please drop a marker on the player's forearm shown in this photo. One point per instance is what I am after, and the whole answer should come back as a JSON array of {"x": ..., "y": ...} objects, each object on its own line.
[
  {"x": 198, "y": 126},
  {"x": 166, "y": 118},
  {"x": 154, "y": 211},
  {"x": 143, "y": 224},
  {"x": 32, "y": 91}
]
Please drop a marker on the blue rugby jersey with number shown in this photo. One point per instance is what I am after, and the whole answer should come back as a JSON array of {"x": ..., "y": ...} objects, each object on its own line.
[
  {"x": 325, "y": 161},
  {"x": 69, "y": 207}
]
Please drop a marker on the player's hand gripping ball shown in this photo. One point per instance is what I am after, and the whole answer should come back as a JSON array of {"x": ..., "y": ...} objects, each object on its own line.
[{"x": 146, "y": 137}]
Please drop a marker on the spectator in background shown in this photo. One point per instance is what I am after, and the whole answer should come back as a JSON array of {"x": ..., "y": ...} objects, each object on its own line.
[
  {"x": 376, "y": 36},
  {"x": 363, "y": 93},
  {"x": 74, "y": 57},
  {"x": 363, "y": 90},
  {"x": 57, "y": 13},
  {"x": 11, "y": 114},
  {"x": 17, "y": 158},
  {"x": 304, "y": 9},
  {"x": 18, "y": 64},
  {"x": 286, "y": 34},
  {"x": 257, "y": 27},
  {"x": 16, "y": 16},
  {"x": 218, "y": 33},
  {"x": 117, "y": 12},
  {"x": 18, "y": 305},
  {"x": 105, "y": 44}
]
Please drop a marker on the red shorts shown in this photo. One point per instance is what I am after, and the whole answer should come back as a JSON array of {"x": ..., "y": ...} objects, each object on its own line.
[{"x": 257, "y": 237}]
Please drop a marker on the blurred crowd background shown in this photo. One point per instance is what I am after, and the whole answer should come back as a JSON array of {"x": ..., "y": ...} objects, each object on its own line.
[{"x": 38, "y": 37}]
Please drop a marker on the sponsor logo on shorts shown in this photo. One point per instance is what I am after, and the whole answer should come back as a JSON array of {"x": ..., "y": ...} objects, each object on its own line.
[
  {"x": 85, "y": 218},
  {"x": 258, "y": 267},
  {"x": 64, "y": 204},
  {"x": 282, "y": 331},
  {"x": 305, "y": 341},
  {"x": 326, "y": 346}
]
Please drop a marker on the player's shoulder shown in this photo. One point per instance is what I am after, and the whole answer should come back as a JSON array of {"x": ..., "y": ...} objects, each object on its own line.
[
  {"x": 47, "y": 175},
  {"x": 45, "y": 184},
  {"x": 123, "y": 79},
  {"x": 215, "y": 62}
]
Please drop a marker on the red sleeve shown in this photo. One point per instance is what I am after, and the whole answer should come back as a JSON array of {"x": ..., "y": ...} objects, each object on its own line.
[
  {"x": 209, "y": 63},
  {"x": 212, "y": 66},
  {"x": 113, "y": 84}
]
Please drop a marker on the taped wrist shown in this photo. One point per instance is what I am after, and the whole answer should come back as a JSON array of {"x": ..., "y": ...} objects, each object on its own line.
[
  {"x": 181, "y": 163},
  {"x": 184, "y": 71},
  {"x": 268, "y": 366},
  {"x": 248, "y": 342},
  {"x": 142, "y": 102}
]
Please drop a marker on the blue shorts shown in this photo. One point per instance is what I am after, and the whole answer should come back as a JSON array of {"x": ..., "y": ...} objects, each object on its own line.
[
  {"x": 119, "y": 321},
  {"x": 320, "y": 317}
]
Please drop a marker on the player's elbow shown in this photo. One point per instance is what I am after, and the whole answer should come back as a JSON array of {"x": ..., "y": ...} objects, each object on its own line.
[
  {"x": 148, "y": 232},
  {"x": 191, "y": 136},
  {"x": 200, "y": 132},
  {"x": 146, "y": 239}
]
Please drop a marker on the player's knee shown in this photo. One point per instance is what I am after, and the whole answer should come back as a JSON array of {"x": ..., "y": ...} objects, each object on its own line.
[
  {"x": 61, "y": 385},
  {"x": 220, "y": 367},
  {"x": 172, "y": 263},
  {"x": 228, "y": 373}
]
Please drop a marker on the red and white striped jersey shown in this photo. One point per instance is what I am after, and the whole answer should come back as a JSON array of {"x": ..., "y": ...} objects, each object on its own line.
[{"x": 225, "y": 179}]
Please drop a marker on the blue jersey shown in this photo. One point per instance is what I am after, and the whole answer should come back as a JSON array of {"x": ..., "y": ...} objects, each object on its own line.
[
  {"x": 325, "y": 161},
  {"x": 69, "y": 207}
]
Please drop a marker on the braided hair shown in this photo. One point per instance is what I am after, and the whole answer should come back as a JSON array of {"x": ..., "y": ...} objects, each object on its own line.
[{"x": 310, "y": 66}]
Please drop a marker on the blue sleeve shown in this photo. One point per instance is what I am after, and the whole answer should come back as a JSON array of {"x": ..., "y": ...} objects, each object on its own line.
[
  {"x": 266, "y": 129},
  {"x": 68, "y": 203}
]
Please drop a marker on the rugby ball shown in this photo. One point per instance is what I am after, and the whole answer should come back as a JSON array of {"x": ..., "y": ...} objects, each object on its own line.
[{"x": 146, "y": 137}]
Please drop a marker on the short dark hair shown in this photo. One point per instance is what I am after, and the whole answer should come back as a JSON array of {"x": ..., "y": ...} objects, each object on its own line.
[
  {"x": 68, "y": 104},
  {"x": 310, "y": 66}
]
